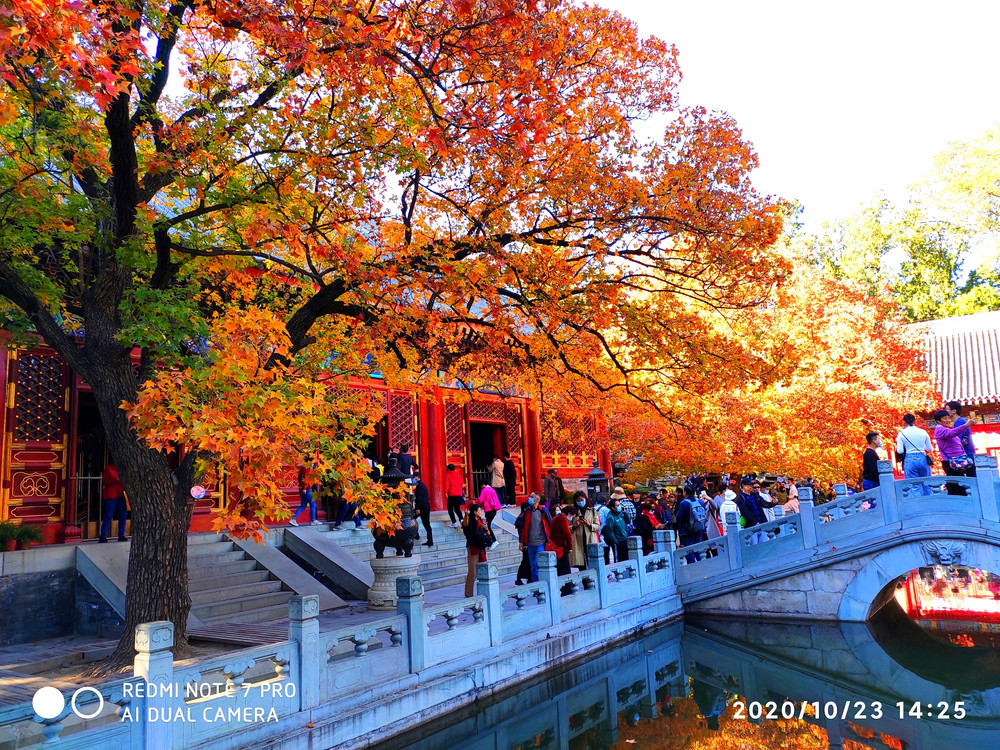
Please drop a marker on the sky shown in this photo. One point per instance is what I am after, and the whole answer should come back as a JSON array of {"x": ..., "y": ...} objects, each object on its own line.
[{"x": 840, "y": 99}]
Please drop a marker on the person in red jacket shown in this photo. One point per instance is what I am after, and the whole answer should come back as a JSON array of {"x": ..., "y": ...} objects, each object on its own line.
[
  {"x": 455, "y": 491},
  {"x": 562, "y": 538},
  {"x": 113, "y": 495}
]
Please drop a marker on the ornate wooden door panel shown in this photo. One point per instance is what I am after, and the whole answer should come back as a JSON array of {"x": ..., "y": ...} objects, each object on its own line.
[{"x": 36, "y": 436}]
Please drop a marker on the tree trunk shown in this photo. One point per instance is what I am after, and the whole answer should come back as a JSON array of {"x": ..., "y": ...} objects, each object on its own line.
[{"x": 157, "y": 584}]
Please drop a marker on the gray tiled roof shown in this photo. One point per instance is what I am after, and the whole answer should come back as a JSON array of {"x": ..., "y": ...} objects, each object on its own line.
[{"x": 963, "y": 355}]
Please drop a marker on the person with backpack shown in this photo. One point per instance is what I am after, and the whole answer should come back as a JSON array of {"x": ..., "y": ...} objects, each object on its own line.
[
  {"x": 614, "y": 531},
  {"x": 692, "y": 523},
  {"x": 535, "y": 533}
]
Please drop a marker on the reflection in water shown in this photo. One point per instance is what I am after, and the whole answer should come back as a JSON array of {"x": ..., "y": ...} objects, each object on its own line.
[
  {"x": 716, "y": 684},
  {"x": 954, "y": 599}
]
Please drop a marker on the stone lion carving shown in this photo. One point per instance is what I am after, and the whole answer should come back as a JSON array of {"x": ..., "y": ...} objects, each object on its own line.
[{"x": 943, "y": 552}]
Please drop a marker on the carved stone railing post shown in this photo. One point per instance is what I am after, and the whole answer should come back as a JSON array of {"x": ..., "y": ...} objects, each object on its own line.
[
  {"x": 595, "y": 561},
  {"x": 887, "y": 486},
  {"x": 154, "y": 663},
  {"x": 303, "y": 628},
  {"x": 634, "y": 544},
  {"x": 488, "y": 585},
  {"x": 779, "y": 511},
  {"x": 734, "y": 541},
  {"x": 548, "y": 575},
  {"x": 410, "y": 603},
  {"x": 986, "y": 472},
  {"x": 807, "y": 517},
  {"x": 662, "y": 539}
]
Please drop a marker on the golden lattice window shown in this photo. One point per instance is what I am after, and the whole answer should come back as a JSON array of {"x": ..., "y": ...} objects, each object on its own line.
[
  {"x": 453, "y": 422},
  {"x": 492, "y": 411},
  {"x": 401, "y": 420},
  {"x": 39, "y": 399},
  {"x": 513, "y": 429}
]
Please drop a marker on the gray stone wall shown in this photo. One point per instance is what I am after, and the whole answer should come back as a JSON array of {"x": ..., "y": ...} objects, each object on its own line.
[
  {"x": 815, "y": 594},
  {"x": 34, "y": 606},
  {"x": 94, "y": 616}
]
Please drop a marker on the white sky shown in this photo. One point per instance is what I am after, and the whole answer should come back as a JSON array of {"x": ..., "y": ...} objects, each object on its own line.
[{"x": 840, "y": 99}]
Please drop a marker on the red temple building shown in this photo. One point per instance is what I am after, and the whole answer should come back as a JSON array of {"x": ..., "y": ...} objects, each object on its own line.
[{"x": 54, "y": 450}]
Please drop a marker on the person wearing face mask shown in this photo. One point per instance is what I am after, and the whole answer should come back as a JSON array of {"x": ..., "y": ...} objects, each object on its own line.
[
  {"x": 534, "y": 533},
  {"x": 585, "y": 524},
  {"x": 869, "y": 463}
]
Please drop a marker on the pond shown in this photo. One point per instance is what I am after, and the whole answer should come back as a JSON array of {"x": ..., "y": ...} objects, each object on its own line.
[{"x": 728, "y": 683}]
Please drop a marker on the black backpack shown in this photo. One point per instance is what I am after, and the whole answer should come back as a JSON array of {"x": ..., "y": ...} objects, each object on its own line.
[{"x": 697, "y": 519}]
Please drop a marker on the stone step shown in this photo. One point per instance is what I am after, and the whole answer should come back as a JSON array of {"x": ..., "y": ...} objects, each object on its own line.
[
  {"x": 210, "y": 612},
  {"x": 209, "y": 548},
  {"x": 207, "y": 582},
  {"x": 233, "y": 591},
  {"x": 214, "y": 559},
  {"x": 196, "y": 540},
  {"x": 263, "y": 614},
  {"x": 220, "y": 570}
]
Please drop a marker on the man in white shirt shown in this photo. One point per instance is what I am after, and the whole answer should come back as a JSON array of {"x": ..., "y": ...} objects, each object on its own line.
[
  {"x": 912, "y": 445},
  {"x": 728, "y": 506}
]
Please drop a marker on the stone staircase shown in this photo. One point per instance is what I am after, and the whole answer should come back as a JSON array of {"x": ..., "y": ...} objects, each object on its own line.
[
  {"x": 442, "y": 565},
  {"x": 228, "y": 586}
]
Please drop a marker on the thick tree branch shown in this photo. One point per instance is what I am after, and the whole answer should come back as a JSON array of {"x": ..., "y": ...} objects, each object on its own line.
[
  {"x": 13, "y": 288},
  {"x": 146, "y": 109}
]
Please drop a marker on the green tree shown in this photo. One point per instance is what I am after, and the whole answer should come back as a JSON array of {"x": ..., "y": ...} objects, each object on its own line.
[
  {"x": 855, "y": 248},
  {"x": 933, "y": 252}
]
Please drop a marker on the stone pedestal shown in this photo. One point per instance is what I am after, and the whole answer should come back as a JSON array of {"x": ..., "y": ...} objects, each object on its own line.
[{"x": 382, "y": 594}]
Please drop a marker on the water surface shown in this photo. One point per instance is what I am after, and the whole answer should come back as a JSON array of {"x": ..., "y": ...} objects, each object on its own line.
[{"x": 727, "y": 683}]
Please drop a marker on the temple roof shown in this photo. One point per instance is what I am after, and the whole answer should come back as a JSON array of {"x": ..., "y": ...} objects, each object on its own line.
[{"x": 963, "y": 355}]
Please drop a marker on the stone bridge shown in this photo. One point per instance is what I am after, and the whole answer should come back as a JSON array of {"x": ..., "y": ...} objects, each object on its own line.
[{"x": 841, "y": 560}]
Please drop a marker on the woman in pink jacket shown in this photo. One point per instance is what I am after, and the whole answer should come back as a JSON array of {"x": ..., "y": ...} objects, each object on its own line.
[{"x": 491, "y": 504}]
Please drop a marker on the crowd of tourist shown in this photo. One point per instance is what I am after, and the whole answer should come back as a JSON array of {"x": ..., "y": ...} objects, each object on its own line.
[{"x": 695, "y": 509}]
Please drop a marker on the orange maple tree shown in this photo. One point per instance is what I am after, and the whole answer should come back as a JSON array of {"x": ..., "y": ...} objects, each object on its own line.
[
  {"x": 841, "y": 363},
  {"x": 267, "y": 197}
]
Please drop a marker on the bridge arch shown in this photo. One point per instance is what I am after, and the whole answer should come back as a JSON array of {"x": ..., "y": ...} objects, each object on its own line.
[{"x": 866, "y": 588}]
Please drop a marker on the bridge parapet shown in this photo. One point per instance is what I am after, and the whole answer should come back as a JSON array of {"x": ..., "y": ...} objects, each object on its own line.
[{"x": 818, "y": 532}]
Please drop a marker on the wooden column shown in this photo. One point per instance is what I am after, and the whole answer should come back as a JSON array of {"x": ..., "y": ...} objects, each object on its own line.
[
  {"x": 434, "y": 451},
  {"x": 532, "y": 450}
]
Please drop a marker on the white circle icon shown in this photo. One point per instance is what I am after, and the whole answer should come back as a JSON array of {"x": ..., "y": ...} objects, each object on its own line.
[
  {"x": 100, "y": 702},
  {"x": 48, "y": 702}
]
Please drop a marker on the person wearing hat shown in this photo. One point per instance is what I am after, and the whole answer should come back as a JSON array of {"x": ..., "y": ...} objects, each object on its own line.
[
  {"x": 748, "y": 502},
  {"x": 552, "y": 490},
  {"x": 728, "y": 506}
]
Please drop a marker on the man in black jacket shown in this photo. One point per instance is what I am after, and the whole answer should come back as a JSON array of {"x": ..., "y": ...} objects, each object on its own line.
[
  {"x": 422, "y": 505},
  {"x": 509, "y": 481}
]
